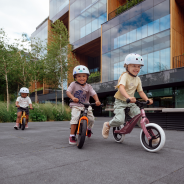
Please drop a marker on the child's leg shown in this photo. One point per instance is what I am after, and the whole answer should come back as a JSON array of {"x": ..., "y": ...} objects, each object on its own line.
[
  {"x": 134, "y": 110},
  {"x": 91, "y": 118},
  {"x": 119, "y": 112},
  {"x": 117, "y": 120},
  {"x": 18, "y": 120},
  {"x": 18, "y": 117},
  {"x": 76, "y": 111},
  {"x": 74, "y": 121},
  {"x": 27, "y": 119}
]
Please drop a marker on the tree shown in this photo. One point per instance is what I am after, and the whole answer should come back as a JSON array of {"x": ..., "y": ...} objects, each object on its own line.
[
  {"x": 37, "y": 64},
  {"x": 60, "y": 51},
  {"x": 52, "y": 73},
  {"x": 7, "y": 57}
]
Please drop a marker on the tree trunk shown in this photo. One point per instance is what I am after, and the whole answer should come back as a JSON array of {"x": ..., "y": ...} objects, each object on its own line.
[
  {"x": 24, "y": 76},
  {"x": 56, "y": 95},
  {"x": 62, "y": 95},
  {"x": 6, "y": 77},
  {"x": 36, "y": 97}
]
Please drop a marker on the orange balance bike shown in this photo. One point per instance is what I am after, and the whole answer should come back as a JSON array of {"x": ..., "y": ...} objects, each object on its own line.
[
  {"x": 22, "y": 123},
  {"x": 81, "y": 129}
]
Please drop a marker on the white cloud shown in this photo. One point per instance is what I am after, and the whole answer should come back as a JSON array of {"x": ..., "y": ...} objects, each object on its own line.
[{"x": 22, "y": 16}]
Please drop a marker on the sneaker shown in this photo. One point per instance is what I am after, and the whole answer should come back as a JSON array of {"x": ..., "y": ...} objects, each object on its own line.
[
  {"x": 105, "y": 130},
  {"x": 16, "y": 127},
  {"x": 26, "y": 126},
  {"x": 89, "y": 133},
  {"x": 155, "y": 141},
  {"x": 72, "y": 140}
]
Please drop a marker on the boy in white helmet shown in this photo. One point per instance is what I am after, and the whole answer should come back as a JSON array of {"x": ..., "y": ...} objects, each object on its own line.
[
  {"x": 128, "y": 83},
  {"x": 79, "y": 90},
  {"x": 23, "y": 101}
]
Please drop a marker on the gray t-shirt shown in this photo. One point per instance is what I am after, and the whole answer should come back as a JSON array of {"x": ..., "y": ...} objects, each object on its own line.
[{"x": 83, "y": 93}]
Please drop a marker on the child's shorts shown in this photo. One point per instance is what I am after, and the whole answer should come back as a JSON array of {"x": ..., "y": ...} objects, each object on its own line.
[
  {"x": 76, "y": 111},
  {"x": 19, "y": 109}
]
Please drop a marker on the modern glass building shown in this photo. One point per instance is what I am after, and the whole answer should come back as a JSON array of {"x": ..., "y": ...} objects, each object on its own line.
[
  {"x": 41, "y": 33},
  {"x": 103, "y": 32},
  {"x": 86, "y": 18},
  {"x": 145, "y": 32}
]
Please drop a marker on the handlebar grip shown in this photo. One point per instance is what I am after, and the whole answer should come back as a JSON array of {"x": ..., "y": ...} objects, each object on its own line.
[
  {"x": 147, "y": 102},
  {"x": 128, "y": 100}
]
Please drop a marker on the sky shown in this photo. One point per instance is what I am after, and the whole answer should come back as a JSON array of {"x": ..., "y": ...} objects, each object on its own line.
[{"x": 22, "y": 16}]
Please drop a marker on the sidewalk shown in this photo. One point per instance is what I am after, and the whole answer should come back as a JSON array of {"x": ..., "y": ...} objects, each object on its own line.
[{"x": 42, "y": 154}]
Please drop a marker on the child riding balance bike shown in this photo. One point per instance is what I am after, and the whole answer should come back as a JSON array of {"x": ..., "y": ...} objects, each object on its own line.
[
  {"x": 80, "y": 91},
  {"x": 152, "y": 136},
  {"x": 22, "y": 104}
]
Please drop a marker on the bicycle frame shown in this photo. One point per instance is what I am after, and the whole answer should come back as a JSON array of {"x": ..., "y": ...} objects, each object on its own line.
[
  {"x": 23, "y": 116},
  {"x": 131, "y": 124}
]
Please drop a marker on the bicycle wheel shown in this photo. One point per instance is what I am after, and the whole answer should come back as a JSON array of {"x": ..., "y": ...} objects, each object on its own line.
[
  {"x": 23, "y": 123},
  {"x": 19, "y": 125},
  {"x": 118, "y": 137},
  {"x": 82, "y": 134},
  {"x": 151, "y": 145}
]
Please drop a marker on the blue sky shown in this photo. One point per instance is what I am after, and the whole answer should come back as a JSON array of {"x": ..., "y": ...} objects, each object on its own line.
[{"x": 22, "y": 16}]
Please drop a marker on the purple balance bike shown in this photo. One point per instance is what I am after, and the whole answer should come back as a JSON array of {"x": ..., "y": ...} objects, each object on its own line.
[{"x": 152, "y": 136}]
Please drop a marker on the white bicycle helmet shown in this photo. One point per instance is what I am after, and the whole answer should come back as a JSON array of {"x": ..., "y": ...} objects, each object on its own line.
[
  {"x": 24, "y": 90},
  {"x": 134, "y": 59},
  {"x": 80, "y": 69}
]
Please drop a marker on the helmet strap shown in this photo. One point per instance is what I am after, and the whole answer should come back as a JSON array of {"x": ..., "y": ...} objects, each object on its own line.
[
  {"x": 80, "y": 83},
  {"x": 130, "y": 73}
]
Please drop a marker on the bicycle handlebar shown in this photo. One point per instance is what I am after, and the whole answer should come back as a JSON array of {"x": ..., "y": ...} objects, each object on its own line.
[
  {"x": 85, "y": 104},
  {"x": 138, "y": 102},
  {"x": 25, "y": 108}
]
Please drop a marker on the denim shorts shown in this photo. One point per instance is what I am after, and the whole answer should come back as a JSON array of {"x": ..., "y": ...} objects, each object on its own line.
[{"x": 19, "y": 109}]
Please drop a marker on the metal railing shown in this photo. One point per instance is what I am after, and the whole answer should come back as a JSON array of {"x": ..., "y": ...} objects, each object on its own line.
[
  {"x": 178, "y": 61},
  {"x": 129, "y": 4}
]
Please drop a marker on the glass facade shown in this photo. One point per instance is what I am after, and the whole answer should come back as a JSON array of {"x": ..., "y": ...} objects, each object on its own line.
[
  {"x": 147, "y": 33},
  {"x": 41, "y": 33},
  {"x": 56, "y": 6},
  {"x": 86, "y": 16}
]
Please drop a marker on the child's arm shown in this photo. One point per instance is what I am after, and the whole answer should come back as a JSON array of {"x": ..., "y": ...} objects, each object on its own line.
[
  {"x": 144, "y": 97},
  {"x": 31, "y": 106},
  {"x": 17, "y": 104},
  {"x": 72, "y": 97},
  {"x": 125, "y": 94},
  {"x": 98, "y": 103}
]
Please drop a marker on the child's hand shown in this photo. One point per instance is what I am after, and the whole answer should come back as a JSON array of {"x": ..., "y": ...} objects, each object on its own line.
[
  {"x": 132, "y": 99},
  {"x": 18, "y": 105},
  {"x": 151, "y": 101},
  {"x": 98, "y": 103},
  {"x": 75, "y": 100}
]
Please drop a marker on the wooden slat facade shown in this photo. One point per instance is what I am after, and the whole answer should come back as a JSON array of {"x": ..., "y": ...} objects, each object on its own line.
[{"x": 177, "y": 29}]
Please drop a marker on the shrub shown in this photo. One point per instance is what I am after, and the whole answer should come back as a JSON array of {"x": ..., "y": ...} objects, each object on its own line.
[
  {"x": 41, "y": 112},
  {"x": 94, "y": 77}
]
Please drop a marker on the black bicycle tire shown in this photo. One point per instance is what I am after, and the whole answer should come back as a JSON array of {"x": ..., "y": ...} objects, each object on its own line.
[
  {"x": 19, "y": 125},
  {"x": 82, "y": 134},
  {"x": 23, "y": 123}
]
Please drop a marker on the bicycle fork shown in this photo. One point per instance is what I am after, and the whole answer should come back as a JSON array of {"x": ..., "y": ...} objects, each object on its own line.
[
  {"x": 144, "y": 121},
  {"x": 82, "y": 118}
]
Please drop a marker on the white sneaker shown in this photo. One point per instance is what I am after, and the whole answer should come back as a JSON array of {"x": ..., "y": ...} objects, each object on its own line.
[{"x": 16, "y": 127}]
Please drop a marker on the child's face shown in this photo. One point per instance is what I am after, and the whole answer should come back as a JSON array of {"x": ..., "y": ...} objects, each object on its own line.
[
  {"x": 23, "y": 95},
  {"x": 134, "y": 68},
  {"x": 81, "y": 78}
]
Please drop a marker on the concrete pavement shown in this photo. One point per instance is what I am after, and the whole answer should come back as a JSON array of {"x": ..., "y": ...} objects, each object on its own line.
[{"x": 42, "y": 155}]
